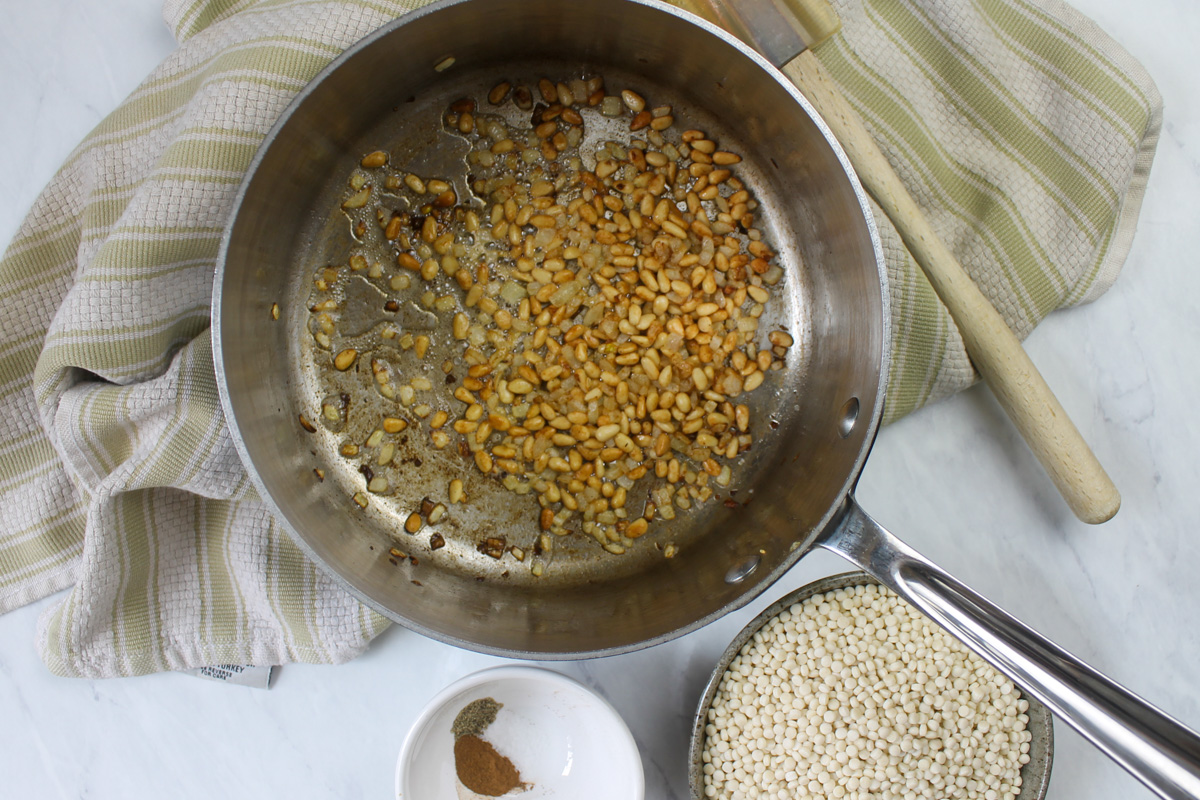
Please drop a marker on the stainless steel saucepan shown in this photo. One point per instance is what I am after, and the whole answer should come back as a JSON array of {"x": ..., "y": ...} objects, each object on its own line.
[{"x": 814, "y": 422}]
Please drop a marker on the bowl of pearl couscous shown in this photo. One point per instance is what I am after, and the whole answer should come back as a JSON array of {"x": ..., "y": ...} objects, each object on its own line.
[{"x": 843, "y": 690}]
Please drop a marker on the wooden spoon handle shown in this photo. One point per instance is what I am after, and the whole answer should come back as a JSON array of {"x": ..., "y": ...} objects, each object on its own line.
[{"x": 991, "y": 344}]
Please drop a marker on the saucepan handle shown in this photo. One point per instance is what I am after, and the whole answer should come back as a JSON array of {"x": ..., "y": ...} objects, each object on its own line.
[{"x": 1153, "y": 747}]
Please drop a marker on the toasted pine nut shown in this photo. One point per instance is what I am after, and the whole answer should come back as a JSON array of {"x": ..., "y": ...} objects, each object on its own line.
[
  {"x": 462, "y": 324},
  {"x": 373, "y": 160},
  {"x": 633, "y": 101},
  {"x": 499, "y": 92},
  {"x": 415, "y": 183},
  {"x": 780, "y": 339},
  {"x": 358, "y": 199}
]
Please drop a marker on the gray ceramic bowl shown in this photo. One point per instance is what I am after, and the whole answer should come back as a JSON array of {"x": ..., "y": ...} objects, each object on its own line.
[{"x": 1035, "y": 776}]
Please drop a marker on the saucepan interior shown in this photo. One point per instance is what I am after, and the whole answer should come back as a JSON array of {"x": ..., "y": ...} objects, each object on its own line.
[{"x": 812, "y": 420}]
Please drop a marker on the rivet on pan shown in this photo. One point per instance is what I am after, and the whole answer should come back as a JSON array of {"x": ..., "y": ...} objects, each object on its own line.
[
  {"x": 445, "y": 64},
  {"x": 849, "y": 417},
  {"x": 739, "y": 572}
]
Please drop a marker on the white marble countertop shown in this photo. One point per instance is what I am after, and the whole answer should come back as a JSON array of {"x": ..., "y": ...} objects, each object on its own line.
[{"x": 954, "y": 480}]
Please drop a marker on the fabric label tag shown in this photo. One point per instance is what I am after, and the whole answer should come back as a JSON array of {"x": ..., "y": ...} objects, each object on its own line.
[{"x": 255, "y": 677}]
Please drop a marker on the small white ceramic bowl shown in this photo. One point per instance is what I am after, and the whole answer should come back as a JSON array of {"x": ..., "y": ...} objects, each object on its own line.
[{"x": 564, "y": 739}]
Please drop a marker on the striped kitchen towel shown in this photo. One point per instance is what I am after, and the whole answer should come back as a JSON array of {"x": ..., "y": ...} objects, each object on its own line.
[
  {"x": 1024, "y": 132},
  {"x": 1026, "y": 135}
]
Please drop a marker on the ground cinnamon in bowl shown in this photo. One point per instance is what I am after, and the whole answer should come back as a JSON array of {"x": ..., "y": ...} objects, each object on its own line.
[
  {"x": 483, "y": 770},
  {"x": 479, "y": 766}
]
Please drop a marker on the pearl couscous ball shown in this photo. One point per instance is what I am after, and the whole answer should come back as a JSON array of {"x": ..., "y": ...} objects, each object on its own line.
[{"x": 855, "y": 694}]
